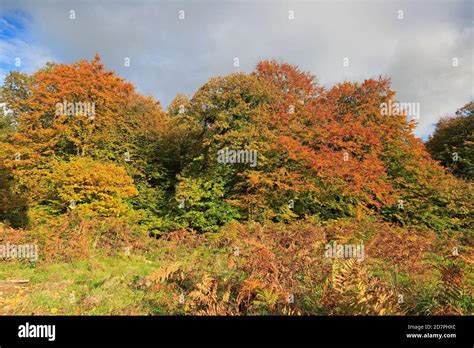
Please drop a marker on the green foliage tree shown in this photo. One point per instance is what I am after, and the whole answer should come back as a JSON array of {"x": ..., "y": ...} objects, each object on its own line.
[{"x": 452, "y": 142}]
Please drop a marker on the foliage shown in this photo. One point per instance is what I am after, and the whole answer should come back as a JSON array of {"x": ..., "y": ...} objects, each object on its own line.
[
  {"x": 90, "y": 167},
  {"x": 93, "y": 187},
  {"x": 452, "y": 142},
  {"x": 250, "y": 269},
  {"x": 202, "y": 205}
]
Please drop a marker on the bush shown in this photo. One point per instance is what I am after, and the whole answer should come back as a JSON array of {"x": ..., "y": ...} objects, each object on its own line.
[{"x": 90, "y": 187}]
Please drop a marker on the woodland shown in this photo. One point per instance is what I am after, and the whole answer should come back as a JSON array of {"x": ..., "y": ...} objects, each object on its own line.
[{"x": 133, "y": 212}]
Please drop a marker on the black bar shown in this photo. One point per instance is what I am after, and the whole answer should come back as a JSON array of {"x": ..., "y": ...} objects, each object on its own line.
[{"x": 289, "y": 331}]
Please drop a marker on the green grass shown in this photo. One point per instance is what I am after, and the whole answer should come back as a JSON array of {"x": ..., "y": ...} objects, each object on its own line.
[
  {"x": 91, "y": 287},
  {"x": 105, "y": 285}
]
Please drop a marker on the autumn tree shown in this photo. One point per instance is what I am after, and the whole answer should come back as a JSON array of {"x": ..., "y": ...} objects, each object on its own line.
[
  {"x": 13, "y": 93},
  {"x": 353, "y": 158},
  {"x": 64, "y": 111},
  {"x": 231, "y": 112},
  {"x": 327, "y": 142},
  {"x": 90, "y": 187},
  {"x": 452, "y": 142},
  {"x": 80, "y": 133}
]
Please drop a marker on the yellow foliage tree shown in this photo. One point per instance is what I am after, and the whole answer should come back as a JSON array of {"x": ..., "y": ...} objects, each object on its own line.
[{"x": 88, "y": 186}]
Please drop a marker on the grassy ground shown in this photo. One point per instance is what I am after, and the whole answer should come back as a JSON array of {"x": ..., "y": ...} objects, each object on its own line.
[
  {"x": 95, "y": 286},
  {"x": 101, "y": 285},
  {"x": 251, "y": 269}
]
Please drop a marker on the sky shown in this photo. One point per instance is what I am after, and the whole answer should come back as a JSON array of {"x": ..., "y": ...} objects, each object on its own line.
[{"x": 426, "y": 50}]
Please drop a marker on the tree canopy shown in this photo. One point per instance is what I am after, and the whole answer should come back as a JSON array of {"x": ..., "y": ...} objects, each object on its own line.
[{"x": 273, "y": 144}]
